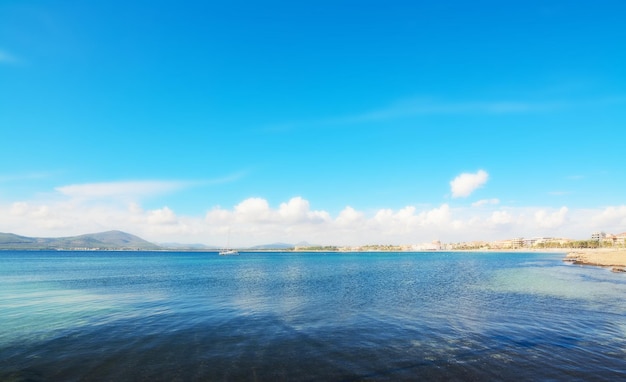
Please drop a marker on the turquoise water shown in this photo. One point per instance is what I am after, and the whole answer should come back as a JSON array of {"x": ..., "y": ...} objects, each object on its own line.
[{"x": 308, "y": 316}]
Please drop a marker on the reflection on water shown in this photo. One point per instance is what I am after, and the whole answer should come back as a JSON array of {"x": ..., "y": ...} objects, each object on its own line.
[{"x": 198, "y": 316}]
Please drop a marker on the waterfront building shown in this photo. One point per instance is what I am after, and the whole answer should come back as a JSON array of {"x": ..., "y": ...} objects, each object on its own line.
[{"x": 598, "y": 236}]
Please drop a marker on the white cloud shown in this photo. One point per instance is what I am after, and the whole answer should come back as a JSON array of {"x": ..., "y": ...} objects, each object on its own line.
[
  {"x": 613, "y": 217},
  {"x": 85, "y": 208},
  {"x": 465, "y": 184},
  {"x": 39, "y": 216},
  {"x": 253, "y": 210},
  {"x": 258, "y": 211},
  {"x": 218, "y": 215},
  {"x": 295, "y": 209},
  {"x": 19, "y": 209},
  {"x": 135, "y": 209},
  {"x": 393, "y": 223},
  {"x": 384, "y": 215},
  {"x": 484, "y": 202},
  {"x": 349, "y": 217},
  {"x": 162, "y": 216},
  {"x": 437, "y": 216},
  {"x": 551, "y": 220},
  {"x": 501, "y": 218},
  {"x": 298, "y": 210}
]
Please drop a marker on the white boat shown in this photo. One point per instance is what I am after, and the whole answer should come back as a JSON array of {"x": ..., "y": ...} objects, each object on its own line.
[{"x": 229, "y": 252}]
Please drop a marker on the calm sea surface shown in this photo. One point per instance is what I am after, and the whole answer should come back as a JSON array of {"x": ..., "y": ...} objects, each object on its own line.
[{"x": 162, "y": 316}]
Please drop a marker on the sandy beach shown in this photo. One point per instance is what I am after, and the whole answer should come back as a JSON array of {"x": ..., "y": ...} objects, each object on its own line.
[{"x": 605, "y": 257}]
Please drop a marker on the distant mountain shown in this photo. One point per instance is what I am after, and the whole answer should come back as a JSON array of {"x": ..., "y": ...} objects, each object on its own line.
[
  {"x": 13, "y": 239},
  {"x": 273, "y": 246},
  {"x": 306, "y": 244},
  {"x": 103, "y": 240}
]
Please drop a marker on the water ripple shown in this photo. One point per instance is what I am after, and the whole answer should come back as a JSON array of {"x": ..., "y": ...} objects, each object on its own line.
[{"x": 309, "y": 317}]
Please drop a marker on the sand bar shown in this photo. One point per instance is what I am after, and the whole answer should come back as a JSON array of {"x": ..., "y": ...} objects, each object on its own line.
[{"x": 615, "y": 258}]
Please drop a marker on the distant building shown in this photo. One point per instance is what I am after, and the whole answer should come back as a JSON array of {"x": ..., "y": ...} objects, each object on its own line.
[
  {"x": 501, "y": 244},
  {"x": 553, "y": 241},
  {"x": 434, "y": 246},
  {"x": 608, "y": 239},
  {"x": 518, "y": 242},
  {"x": 598, "y": 236},
  {"x": 530, "y": 242},
  {"x": 620, "y": 238}
]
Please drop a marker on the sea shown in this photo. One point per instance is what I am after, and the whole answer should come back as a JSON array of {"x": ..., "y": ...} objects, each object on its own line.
[{"x": 197, "y": 316}]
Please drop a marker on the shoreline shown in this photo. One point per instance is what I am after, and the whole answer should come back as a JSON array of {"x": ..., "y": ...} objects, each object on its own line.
[{"x": 601, "y": 257}]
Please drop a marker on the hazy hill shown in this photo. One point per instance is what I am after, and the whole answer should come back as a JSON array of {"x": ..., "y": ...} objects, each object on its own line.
[
  {"x": 273, "y": 246},
  {"x": 102, "y": 240},
  {"x": 182, "y": 246}
]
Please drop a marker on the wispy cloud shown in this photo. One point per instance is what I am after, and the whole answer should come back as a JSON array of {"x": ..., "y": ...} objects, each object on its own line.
[
  {"x": 26, "y": 176},
  {"x": 427, "y": 106},
  {"x": 8, "y": 58},
  {"x": 226, "y": 179},
  {"x": 416, "y": 107},
  {"x": 138, "y": 188},
  {"x": 485, "y": 202},
  {"x": 119, "y": 189}
]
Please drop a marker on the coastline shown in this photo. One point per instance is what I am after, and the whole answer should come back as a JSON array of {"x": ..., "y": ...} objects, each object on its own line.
[{"x": 602, "y": 257}]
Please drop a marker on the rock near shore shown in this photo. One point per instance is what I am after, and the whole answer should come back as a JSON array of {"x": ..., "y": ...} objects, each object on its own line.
[{"x": 616, "y": 259}]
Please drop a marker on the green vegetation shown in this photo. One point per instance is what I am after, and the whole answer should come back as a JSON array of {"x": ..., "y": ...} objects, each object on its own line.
[
  {"x": 577, "y": 244},
  {"x": 382, "y": 248},
  {"x": 320, "y": 248},
  {"x": 586, "y": 244}
]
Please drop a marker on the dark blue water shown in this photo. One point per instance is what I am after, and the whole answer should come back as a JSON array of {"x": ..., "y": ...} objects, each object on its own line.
[{"x": 129, "y": 316}]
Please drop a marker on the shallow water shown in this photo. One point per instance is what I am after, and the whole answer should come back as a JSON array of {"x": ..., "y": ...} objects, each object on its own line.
[{"x": 301, "y": 316}]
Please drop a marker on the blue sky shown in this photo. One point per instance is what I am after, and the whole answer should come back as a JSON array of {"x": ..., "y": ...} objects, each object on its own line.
[{"x": 329, "y": 122}]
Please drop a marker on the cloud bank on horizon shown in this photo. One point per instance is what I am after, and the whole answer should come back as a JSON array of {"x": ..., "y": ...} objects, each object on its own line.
[{"x": 84, "y": 208}]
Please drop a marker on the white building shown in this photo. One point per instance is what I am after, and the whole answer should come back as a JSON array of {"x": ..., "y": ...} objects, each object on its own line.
[
  {"x": 598, "y": 236},
  {"x": 518, "y": 242}
]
